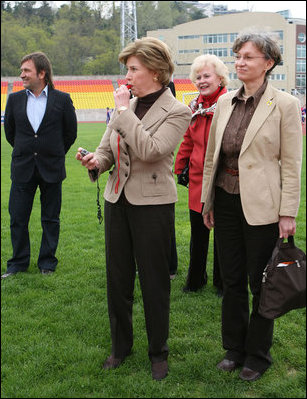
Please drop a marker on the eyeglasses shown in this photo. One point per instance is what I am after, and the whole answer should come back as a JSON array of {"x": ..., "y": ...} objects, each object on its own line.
[{"x": 246, "y": 58}]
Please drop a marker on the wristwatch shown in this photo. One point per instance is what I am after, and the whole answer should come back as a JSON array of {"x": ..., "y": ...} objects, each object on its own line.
[{"x": 122, "y": 109}]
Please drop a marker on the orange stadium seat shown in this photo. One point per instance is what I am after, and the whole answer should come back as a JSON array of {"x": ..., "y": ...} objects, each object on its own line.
[
  {"x": 86, "y": 94},
  {"x": 98, "y": 93},
  {"x": 17, "y": 86},
  {"x": 185, "y": 90},
  {"x": 4, "y": 87}
]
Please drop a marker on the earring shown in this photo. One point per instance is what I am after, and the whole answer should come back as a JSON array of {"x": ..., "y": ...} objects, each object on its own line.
[{"x": 155, "y": 79}]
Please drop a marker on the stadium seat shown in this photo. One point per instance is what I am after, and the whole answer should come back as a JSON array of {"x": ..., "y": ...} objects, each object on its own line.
[
  {"x": 185, "y": 90},
  {"x": 86, "y": 94},
  {"x": 98, "y": 93},
  {"x": 4, "y": 87}
]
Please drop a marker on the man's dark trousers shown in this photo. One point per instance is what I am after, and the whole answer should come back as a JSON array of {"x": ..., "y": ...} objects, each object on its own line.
[
  {"x": 38, "y": 160},
  {"x": 20, "y": 207}
]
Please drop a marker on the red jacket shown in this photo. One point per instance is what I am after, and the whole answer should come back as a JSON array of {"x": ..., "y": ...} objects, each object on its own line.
[{"x": 193, "y": 147}]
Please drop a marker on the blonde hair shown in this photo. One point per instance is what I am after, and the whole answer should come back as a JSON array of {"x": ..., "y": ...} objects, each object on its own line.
[
  {"x": 153, "y": 54},
  {"x": 210, "y": 59}
]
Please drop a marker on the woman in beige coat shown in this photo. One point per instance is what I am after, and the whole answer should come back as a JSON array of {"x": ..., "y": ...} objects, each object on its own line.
[
  {"x": 140, "y": 194},
  {"x": 251, "y": 192}
]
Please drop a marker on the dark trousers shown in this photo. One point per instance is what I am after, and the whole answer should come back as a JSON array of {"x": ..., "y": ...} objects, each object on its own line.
[
  {"x": 197, "y": 274},
  {"x": 20, "y": 208},
  {"x": 244, "y": 251},
  {"x": 138, "y": 235},
  {"x": 174, "y": 257}
]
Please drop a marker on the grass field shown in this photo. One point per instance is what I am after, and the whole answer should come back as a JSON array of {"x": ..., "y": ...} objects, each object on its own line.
[{"x": 55, "y": 329}]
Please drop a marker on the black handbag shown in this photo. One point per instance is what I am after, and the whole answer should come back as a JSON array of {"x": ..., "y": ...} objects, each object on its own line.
[
  {"x": 183, "y": 178},
  {"x": 284, "y": 280}
]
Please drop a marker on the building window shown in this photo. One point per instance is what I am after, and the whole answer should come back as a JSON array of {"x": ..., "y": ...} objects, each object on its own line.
[
  {"x": 219, "y": 52},
  {"x": 216, "y": 38},
  {"x": 301, "y": 80},
  {"x": 301, "y": 37},
  {"x": 280, "y": 34},
  {"x": 233, "y": 76},
  {"x": 233, "y": 37},
  {"x": 300, "y": 66},
  {"x": 300, "y": 51},
  {"x": 193, "y": 51},
  {"x": 278, "y": 76},
  {"x": 188, "y": 37}
]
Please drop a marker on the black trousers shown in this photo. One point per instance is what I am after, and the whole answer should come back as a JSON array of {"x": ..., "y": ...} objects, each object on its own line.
[
  {"x": 197, "y": 274},
  {"x": 244, "y": 251},
  {"x": 20, "y": 208},
  {"x": 138, "y": 236},
  {"x": 174, "y": 257}
]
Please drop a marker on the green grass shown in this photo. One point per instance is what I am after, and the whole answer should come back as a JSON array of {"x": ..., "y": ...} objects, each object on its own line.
[{"x": 55, "y": 329}]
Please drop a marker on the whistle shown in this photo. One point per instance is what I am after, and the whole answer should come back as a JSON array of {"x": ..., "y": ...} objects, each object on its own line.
[{"x": 129, "y": 88}]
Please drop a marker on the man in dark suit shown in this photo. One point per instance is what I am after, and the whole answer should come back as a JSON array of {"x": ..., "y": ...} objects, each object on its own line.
[{"x": 41, "y": 125}]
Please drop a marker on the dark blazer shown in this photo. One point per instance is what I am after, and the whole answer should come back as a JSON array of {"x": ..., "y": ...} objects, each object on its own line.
[{"x": 47, "y": 147}]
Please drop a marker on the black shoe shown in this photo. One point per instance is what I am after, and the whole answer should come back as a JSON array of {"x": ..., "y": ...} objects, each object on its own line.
[
  {"x": 249, "y": 375},
  {"x": 228, "y": 365},
  {"x": 5, "y": 275},
  {"x": 112, "y": 363},
  {"x": 47, "y": 271},
  {"x": 159, "y": 370}
]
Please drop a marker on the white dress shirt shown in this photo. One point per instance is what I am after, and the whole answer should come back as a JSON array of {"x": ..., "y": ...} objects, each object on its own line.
[{"x": 36, "y": 107}]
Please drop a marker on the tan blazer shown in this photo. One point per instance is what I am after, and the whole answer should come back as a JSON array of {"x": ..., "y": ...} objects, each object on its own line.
[
  {"x": 269, "y": 161},
  {"x": 146, "y": 151}
]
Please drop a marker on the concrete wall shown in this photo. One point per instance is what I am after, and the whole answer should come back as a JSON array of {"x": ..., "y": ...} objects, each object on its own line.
[{"x": 91, "y": 115}]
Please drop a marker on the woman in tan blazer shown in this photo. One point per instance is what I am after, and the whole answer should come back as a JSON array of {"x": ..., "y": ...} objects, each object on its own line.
[
  {"x": 140, "y": 194},
  {"x": 251, "y": 193}
]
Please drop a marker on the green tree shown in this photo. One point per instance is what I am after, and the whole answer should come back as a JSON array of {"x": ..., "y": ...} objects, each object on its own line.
[
  {"x": 81, "y": 37},
  {"x": 24, "y": 11},
  {"x": 69, "y": 49},
  {"x": 146, "y": 16},
  {"x": 19, "y": 40},
  {"x": 104, "y": 54},
  {"x": 45, "y": 14}
]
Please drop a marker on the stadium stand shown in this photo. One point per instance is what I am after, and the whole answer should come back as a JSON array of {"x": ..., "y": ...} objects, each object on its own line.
[
  {"x": 86, "y": 94},
  {"x": 93, "y": 94},
  {"x": 4, "y": 88},
  {"x": 185, "y": 90}
]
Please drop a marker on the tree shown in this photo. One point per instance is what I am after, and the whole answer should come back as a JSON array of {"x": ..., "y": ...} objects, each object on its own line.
[
  {"x": 45, "y": 14},
  {"x": 24, "y": 11},
  {"x": 81, "y": 37}
]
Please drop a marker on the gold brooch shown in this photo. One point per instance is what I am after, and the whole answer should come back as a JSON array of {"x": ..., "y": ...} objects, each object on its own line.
[{"x": 269, "y": 102}]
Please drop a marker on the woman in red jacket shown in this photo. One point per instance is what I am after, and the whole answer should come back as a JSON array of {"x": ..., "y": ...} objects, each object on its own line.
[{"x": 210, "y": 76}]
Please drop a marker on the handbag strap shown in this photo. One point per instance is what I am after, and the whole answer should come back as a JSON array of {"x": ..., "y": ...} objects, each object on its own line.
[{"x": 279, "y": 243}]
